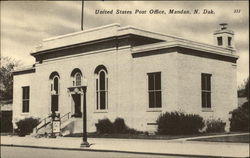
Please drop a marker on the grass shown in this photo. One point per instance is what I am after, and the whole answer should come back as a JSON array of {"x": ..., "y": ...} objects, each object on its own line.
[
  {"x": 232, "y": 139},
  {"x": 141, "y": 136},
  {"x": 129, "y": 136},
  {"x": 6, "y": 133}
]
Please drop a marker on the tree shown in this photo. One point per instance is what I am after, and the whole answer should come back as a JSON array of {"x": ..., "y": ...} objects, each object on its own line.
[
  {"x": 243, "y": 90},
  {"x": 6, "y": 78},
  {"x": 246, "y": 90},
  {"x": 239, "y": 120}
]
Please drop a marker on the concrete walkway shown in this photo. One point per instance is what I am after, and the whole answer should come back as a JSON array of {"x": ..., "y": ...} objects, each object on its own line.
[{"x": 164, "y": 147}]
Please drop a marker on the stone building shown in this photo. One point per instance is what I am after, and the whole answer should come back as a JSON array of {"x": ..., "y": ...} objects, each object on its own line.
[{"x": 129, "y": 73}]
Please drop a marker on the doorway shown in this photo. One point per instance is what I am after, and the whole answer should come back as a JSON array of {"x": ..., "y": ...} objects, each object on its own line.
[{"x": 77, "y": 105}]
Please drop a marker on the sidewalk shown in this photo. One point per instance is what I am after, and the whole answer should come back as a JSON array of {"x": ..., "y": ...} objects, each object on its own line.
[{"x": 173, "y": 147}]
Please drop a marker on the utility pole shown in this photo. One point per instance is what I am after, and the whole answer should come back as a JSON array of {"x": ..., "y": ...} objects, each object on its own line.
[{"x": 82, "y": 15}]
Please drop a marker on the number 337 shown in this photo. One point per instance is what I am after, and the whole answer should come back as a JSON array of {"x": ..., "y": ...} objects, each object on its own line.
[{"x": 236, "y": 10}]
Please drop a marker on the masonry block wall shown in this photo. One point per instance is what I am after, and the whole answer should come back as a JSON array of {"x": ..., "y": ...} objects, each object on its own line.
[
  {"x": 128, "y": 81},
  {"x": 223, "y": 86}
]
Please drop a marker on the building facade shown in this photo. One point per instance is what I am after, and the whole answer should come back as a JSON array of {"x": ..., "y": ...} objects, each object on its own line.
[{"x": 129, "y": 73}]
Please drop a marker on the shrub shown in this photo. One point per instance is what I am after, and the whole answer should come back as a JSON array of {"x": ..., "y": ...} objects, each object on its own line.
[
  {"x": 119, "y": 125},
  {"x": 215, "y": 126},
  {"x": 134, "y": 131},
  {"x": 179, "y": 123},
  {"x": 104, "y": 126},
  {"x": 239, "y": 120},
  {"x": 26, "y": 126}
]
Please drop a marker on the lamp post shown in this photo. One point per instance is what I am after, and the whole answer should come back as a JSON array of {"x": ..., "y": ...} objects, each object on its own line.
[
  {"x": 84, "y": 132},
  {"x": 53, "y": 114}
]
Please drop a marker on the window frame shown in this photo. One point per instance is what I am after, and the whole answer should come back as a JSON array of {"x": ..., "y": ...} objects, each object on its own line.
[
  {"x": 52, "y": 94},
  {"x": 53, "y": 85},
  {"x": 78, "y": 74},
  {"x": 206, "y": 91},
  {"x": 155, "y": 91},
  {"x": 25, "y": 107},
  {"x": 99, "y": 91}
]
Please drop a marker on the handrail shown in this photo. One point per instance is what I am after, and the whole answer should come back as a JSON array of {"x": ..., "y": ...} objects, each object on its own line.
[
  {"x": 47, "y": 120},
  {"x": 42, "y": 125},
  {"x": 67, "y": 115}
]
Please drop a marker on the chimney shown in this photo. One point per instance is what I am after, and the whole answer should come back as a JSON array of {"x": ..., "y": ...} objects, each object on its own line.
[{"x": 224, "y": 37}]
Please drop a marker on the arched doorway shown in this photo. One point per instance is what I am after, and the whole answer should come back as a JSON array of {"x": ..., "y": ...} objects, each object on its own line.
[{"x": 76, "y": 93}]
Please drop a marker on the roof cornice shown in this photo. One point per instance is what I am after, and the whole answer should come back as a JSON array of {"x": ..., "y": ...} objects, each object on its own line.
[
  {"x": 24, "y": 70},
  {"x": 190, "y": 45}
]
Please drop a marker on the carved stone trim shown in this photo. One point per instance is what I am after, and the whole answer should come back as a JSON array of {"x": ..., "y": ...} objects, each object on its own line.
[{"x": 77, "y": 89}]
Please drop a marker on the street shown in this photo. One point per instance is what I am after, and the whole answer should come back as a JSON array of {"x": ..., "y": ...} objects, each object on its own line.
[{"x": 24, "y": 152}]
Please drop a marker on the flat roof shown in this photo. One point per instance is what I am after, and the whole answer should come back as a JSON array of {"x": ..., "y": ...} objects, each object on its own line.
[
  {"x": 115, "y": 30},
  {"x": 24, "y": 70}
]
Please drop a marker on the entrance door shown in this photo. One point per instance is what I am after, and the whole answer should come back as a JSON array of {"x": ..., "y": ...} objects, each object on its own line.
[
  {"x": 77, "y": 102},
  {"x": 54, "y": 103}
]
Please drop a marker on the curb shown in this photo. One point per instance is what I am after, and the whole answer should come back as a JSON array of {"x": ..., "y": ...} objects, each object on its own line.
[{"x": 116, "y": 151}]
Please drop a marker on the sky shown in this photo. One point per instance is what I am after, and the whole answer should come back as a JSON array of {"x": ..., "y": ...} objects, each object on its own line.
[{"x": 25, "y": 24}]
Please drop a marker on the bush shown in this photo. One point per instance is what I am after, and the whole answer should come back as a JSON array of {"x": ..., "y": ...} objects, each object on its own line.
[
  {"x": 104, "y": 126},
  {"x": 239, "y": 121},
  {"x": 26, "y": 126},
  {"x": 179, "y": 123},
  {"x": 134, "y": 131},
  {"x": 215, "y": 126},
  {"x": 119, "y": 126}
]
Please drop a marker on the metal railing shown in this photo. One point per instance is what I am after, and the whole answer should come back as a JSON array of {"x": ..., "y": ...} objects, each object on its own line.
[
  {"x": 65, "y": 117},
  {"x": 48, "y": 120},
  {"x": 43, "y": 123}
]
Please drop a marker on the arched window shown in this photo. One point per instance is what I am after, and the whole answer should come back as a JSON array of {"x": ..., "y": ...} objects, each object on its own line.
[
  {"x": 55, "y": 85},
  {"x": 54, "y": 77},
  {"x": 76, "y": 76},
  {"x": 78, "y": 79},
  {"x": 101, "y": 88}
]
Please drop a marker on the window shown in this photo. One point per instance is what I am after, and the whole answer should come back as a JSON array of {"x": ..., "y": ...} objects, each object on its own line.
[
  {"x": 206, "y": 90},
  {"x": 219, "y": 40},
  {"x": 55, "y": 93},
  {"x": 229, "y": 41},
  {"x": 101, "y": 89},
  {"x": 55, "y": 85},
  {"x": 78, "y": 79},
  {"x": 26, "y": 99},
  {"x": 154, "y": 90}
]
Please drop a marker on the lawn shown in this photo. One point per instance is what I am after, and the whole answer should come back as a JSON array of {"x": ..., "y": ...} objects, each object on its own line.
[
  {"x": 232, "y": 139},
  {"x": 142, "y": 136},
  {"x": 131, "y": 136}
]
